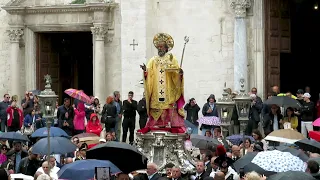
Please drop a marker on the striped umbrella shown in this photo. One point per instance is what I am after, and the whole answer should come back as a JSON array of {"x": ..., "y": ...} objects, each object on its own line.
[{"x": 77, "y": 94}]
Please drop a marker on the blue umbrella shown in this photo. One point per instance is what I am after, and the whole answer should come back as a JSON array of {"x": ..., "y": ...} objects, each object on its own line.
[
  {"x": 237, "y": 139},
  {"x": 54, "y": 132},
  {"x": 58, "y": 145},
  {"x": 85, "y": 169},
  {"x": 15, "y": 136}
]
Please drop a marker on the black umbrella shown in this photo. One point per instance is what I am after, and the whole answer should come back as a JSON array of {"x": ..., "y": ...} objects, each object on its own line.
[
  {"x": 126, "y": 157},
  {"x": 14, "y": 136},
  {"x": 246, "y": 164},
  {"x": 203, "y": 142},
  {"x": 294, "y": 152},
  {"x": 283, "y": 101},
  {"x": 245, "y": 160},
  {"x": 291, "y": 175},
  {"x": 309, "y": 145}
]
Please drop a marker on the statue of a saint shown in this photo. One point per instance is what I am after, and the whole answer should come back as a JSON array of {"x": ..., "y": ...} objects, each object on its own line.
[{"x": 164, "y": 87}]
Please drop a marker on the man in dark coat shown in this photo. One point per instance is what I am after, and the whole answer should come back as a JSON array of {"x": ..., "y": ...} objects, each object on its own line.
[
  {"x": 152, "y": 172},
  {"x": 254, "y": 113},
  {"x": 129, "y": 118},
  {"x": 142, "y": 110},
  {"x": 200, "y": 171},
  {"x": 3, "y": 108}
]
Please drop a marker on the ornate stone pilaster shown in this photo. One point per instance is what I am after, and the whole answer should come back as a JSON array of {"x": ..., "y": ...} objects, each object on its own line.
[
  {"x": 240, "y": 7},
  {"x": 15, "y": 35},
  {"x": 240, "y": 42},
  {"x": 99, "y": 33}
]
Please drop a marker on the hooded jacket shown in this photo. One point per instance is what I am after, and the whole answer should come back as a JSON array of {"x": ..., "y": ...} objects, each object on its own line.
[
  {"x": 79, "y": 118},
  {"x": 94, "y": 127}
]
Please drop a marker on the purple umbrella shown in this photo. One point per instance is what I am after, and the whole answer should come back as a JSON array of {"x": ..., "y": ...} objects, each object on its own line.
[{"x": 238, "y": 138}]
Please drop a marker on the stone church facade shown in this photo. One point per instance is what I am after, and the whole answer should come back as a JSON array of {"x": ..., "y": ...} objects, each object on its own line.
[{"x": 226, "y": 41}]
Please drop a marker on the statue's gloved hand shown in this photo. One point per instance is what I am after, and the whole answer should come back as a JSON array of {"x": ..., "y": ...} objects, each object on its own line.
[
  {"x": 180, "y": 71},
  {"x": 143, "y": 67}
]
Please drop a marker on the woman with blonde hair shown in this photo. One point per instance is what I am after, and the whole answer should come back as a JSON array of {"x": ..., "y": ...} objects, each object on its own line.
[{"x": 254, "y": 176}]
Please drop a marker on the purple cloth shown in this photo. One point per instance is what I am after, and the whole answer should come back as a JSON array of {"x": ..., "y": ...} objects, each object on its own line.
[
  {"x": 3, "y": 158},
  {"x": 209, "y": 120}
]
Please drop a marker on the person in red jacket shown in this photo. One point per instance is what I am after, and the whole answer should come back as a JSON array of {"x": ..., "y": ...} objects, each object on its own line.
[
  {"x": 15, "y": 118},
  {"x": 94, "y": 125}
]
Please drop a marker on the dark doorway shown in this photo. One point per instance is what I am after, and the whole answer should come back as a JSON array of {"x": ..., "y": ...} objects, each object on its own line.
[
  {"x": 299, "y": 68},
  {"x": 67, "y": 57}
]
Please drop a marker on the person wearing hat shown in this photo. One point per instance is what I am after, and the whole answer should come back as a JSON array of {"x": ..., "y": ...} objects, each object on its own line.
[
  {"x": 209, "y": 109},
  {"x": 82, "y": 152},
  {"x": 306, "y": 114},
  {"x": 164, "y": 86},
  {"x": 225, "y": 163}
]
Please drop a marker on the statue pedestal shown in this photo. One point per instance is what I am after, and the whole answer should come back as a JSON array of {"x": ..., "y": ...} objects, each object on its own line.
[{"x": 162, "y": 147}]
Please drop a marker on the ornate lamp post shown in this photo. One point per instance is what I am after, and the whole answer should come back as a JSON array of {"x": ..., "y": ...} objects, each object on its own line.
[
  {"x": 243, "y": 103},
  {"x": 47, "y": 102},
  {"x": 225, "y": 106}
]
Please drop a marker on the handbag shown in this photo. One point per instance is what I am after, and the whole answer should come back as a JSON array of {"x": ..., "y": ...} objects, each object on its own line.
[{"x": 28, "y": 130}]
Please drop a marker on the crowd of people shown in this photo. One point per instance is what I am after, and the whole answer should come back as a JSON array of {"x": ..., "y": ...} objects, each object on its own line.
[{"x": 116, "y": 116}]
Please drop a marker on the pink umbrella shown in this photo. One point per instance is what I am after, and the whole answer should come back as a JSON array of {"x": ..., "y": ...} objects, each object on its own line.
[
  {"x": 77, "y": 94},
  {"x": 316, "y": 122}
]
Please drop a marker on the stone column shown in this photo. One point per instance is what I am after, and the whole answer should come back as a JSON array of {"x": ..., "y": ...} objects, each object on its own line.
[
  {"x": 99, "y": 63},
  {"x": 15, "y": 36},
  {"x": 240, "y": 42}
]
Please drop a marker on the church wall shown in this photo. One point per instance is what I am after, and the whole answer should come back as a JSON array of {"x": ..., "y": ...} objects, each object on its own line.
[
  {"x": 113, "y": 59},
  {"x": 4, "y": 52},
  {"x": 133, "y": 26}
]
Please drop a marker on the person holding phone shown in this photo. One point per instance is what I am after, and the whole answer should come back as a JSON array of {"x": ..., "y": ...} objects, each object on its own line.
[
  {"x": 192, "y": 110},
  {"x": 67, "y": 124}
]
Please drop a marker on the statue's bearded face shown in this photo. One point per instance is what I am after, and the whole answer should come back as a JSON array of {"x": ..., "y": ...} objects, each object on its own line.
[{"x": 162, "y": 49}]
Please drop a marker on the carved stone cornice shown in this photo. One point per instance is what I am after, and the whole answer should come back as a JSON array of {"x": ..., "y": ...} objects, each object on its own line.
[
  {"x": 61, "y": 8},
  {"x": 15, "y": 34},
  {"x": 99, "y": 32},
  {"x": 240, "y": 7}
]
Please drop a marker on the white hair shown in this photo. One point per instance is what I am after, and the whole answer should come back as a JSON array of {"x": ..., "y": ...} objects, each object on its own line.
[
  {"x": 43, "y": 177},
  {"x": 252, "y": 176},
  {"x": 153, "y": 165}
]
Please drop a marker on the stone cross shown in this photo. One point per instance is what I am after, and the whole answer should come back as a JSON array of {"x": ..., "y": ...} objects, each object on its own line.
[{"x": 134, "y": 44}]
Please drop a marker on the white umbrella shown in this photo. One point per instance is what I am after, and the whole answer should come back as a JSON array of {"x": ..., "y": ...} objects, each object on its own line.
[
  {"x": 21, "y": 176},
  {"x": 277, "y": 161}
]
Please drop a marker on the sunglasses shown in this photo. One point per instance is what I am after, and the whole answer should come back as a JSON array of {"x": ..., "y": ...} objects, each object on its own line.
[{"x": 4, "y": 149}]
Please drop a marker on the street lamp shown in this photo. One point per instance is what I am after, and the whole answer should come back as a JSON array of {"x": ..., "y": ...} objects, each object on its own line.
[
  {"x": 243, "y": 103},
  {"x": 225, "y": 106},
  {"x": 47, "y": 102}
]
